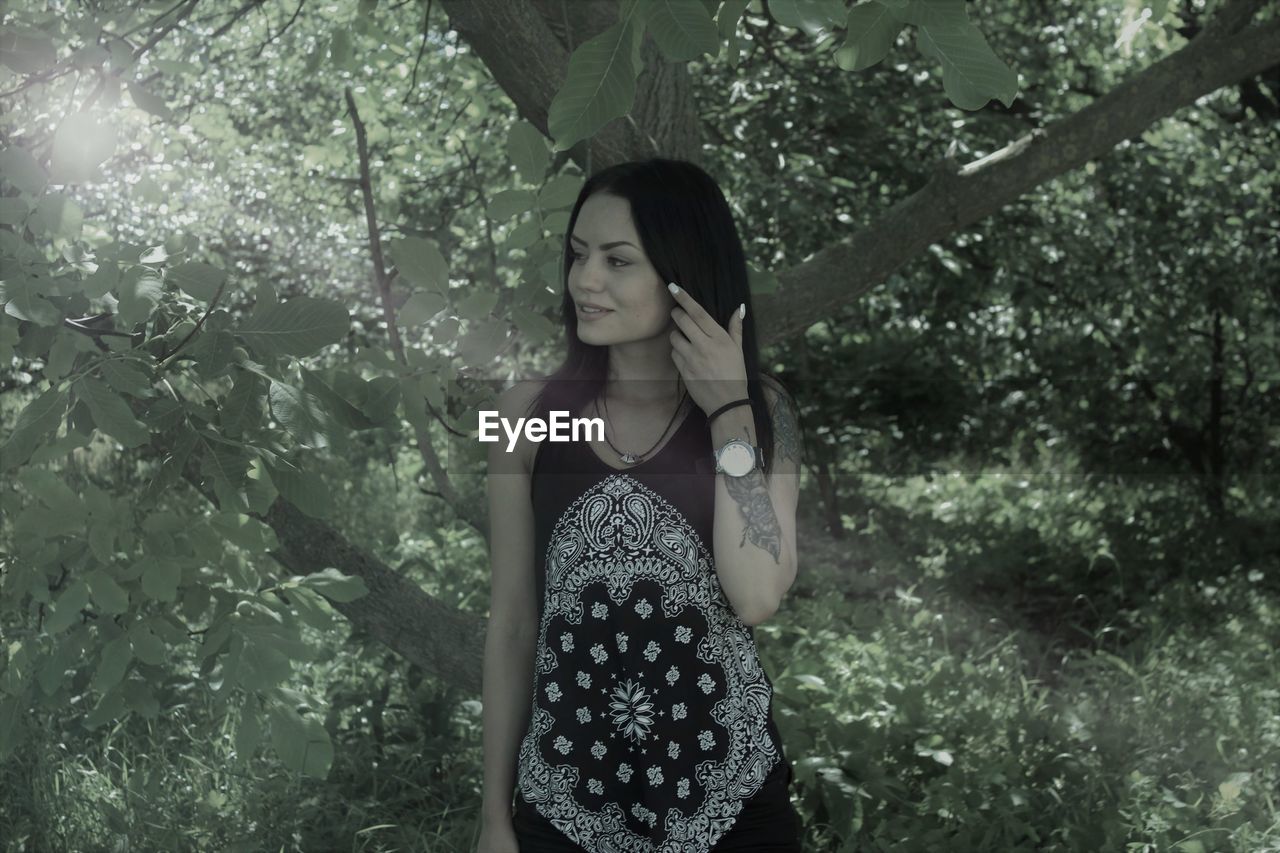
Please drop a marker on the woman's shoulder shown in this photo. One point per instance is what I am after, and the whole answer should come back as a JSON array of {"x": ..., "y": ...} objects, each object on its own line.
[
  {"x": 515, "y": 401},
  {"x": 774, "y": 391}
]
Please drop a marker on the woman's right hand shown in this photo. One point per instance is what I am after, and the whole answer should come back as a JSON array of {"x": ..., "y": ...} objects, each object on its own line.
[{"x": 497, "y": 836}]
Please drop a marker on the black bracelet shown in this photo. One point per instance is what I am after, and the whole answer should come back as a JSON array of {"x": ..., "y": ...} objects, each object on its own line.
[{"x": 727, "y": 406}]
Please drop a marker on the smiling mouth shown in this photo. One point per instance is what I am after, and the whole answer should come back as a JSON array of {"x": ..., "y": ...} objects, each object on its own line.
[{"x": 585, "y": 310}]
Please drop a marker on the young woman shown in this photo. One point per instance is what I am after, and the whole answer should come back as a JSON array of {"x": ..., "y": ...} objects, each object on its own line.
[{"x": 628, "y": 572}]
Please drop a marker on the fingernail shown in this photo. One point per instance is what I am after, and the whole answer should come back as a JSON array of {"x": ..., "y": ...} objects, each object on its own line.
[
  {"x": 742, "y": 310},
  {"x": 671, "y": 285}
]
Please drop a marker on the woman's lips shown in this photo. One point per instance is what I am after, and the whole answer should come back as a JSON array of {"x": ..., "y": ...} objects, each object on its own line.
[{"x": 584, "y": 314}]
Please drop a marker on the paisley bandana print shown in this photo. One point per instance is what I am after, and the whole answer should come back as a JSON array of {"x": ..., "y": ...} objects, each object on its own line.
[{"x": 649, "y": 725}]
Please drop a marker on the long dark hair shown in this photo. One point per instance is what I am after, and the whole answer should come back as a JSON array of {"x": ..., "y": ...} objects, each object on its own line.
[{"x": 687, "y": 232}]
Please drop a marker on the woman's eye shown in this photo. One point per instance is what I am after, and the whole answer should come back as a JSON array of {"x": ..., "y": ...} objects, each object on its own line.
[{"x": 621, "y": 262}]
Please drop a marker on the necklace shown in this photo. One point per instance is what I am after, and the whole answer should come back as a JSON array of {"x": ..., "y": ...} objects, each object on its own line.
[{"x": 632, "y": 458}]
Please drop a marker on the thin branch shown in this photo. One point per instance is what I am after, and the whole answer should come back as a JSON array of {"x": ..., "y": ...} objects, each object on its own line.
[{"x": 383, "y": 282}]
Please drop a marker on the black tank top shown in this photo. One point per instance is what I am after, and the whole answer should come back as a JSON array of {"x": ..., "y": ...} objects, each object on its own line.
[{"x": 652, "y": 722}]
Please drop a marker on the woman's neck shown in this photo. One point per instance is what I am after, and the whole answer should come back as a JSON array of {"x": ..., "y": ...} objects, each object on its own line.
[{"x": 643, "y": 375}]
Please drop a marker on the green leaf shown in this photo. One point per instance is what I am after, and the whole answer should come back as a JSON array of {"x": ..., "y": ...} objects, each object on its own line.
[
  {"x": 58, "y": 216},
  {"x": 102, "y": 539},
  {"x": 533, "y": 325},
  {"x": 140, "y": 291},
  {"x": 226, "y": 464},
  {"x": 112, "y": 664},
  {"x": 872, "y": 30},
  {"x": 145, "y": 100},
  {"x": 381, "y": 400},
  {"x": 527, "y": 150},
  {"x": 24, "y": 301},
  {"x": 298, "y": 327},
  {"x": 333, "y": 585},
  {"x": 683, "y": 29},
  {"x": 139, "y": 697},
  {"x": 971, "y": 73},
  {"x": 340, "y": 48},
  {"x": 560, "y": 191},
  {"x": 938, "y": 14},
  {"x": 478, "y": 303},
  {"x": 125, "y": 376},
  {"x": 20, "y": 169},
  {"x": 482, "y": 342},
  {"x": 200, "y": 280},
  {"x": 111, "y": 413},
  {"x": 66, "y": 610},
  {"x": 419, "y": 260},
  {"x": 302, "y": 488},
  {"x": 109, "y": 595},
  {"x": 26, "y": 50},
  {"x": 148, "y": 647},
  {"x": 299, "y": 413},
  {"x": 13, "y": 210},
  {"x": 812, "y": 16},
  {"x": 10, "y": 723},
  {"x": 312, "y": 608},
  {"x": 302, "y": 743},
  {"x": 421, "y": 307},
  {"x": 110, "y": 707},
  {"x": 337, "y": 407},
  {"x": 524, "y": 235},
  {"x": 509, "y": 203},
  {"x": 600, "y": 86},
  {"x": 244, "y": 530},
  {"x": 160, "y": 578},
  {"x": 242, "y": 405},
  {"x": 262, "y": 666},
  {"x": 62, "y": 354},
  {"x": 259, "y": 491},
  {"x": 248, "y": 731},
  {"x": 35, "y": 422}
]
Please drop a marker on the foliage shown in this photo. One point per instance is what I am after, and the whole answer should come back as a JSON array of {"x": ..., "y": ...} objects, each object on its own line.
[{"x": 202, "y": 319}]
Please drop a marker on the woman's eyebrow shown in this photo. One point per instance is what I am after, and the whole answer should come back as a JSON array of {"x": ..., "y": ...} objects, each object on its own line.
[{"x": 602, "y": 245}]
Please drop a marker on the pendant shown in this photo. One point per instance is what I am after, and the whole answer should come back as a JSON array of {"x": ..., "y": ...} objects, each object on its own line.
[{"x": 629, "y": 459}]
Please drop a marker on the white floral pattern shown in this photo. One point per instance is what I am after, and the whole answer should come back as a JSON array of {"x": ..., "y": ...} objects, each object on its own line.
[{"x": 623, "y": 554}]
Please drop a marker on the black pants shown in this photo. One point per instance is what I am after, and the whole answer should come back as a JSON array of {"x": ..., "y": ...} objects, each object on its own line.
[{"x": 766, "y": 824}]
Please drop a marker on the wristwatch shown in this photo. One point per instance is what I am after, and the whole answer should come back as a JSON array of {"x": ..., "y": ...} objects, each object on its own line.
[{"x": 738, "y": 458}]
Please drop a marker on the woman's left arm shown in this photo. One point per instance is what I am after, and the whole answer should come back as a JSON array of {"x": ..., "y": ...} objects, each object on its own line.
[
  {"x": 754, "y": 536},
  {"x": 755, "y": 517}
]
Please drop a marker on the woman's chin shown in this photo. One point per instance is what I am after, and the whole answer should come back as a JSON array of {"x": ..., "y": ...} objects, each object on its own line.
[{"x": 589, "y": 334}]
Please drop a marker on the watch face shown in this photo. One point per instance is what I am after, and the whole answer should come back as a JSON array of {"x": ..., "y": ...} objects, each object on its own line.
[{"x": 737, "y": 460}]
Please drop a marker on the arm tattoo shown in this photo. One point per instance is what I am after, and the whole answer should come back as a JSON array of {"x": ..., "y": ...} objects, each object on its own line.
[
  {"x": 786, "y": 434},
  {"x": 757, "y": 511}
]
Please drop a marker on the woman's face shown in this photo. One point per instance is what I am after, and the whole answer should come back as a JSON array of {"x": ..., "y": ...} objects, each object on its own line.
[{"x": 618, "y": 278}]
